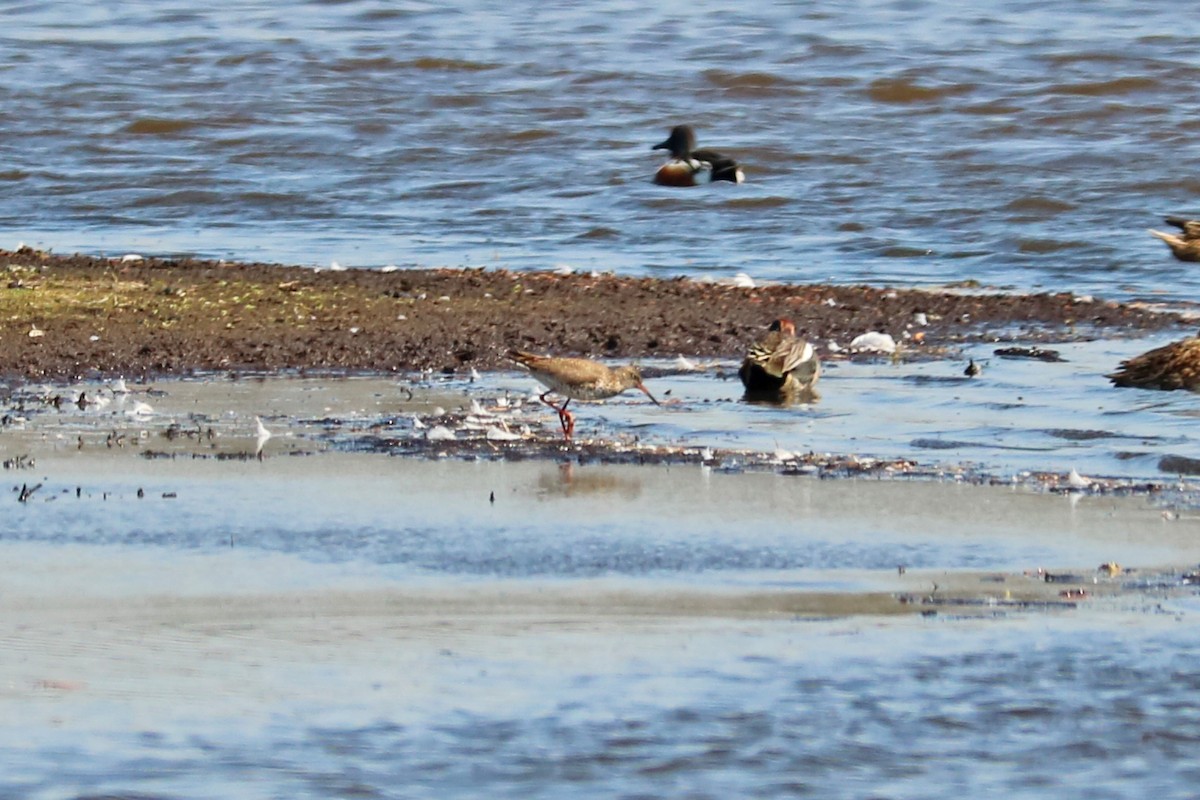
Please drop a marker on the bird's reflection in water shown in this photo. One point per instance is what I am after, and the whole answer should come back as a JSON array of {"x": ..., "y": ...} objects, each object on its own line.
[
  {"x": 802, "y": 397},
  {"x": 570, "y": 480}
]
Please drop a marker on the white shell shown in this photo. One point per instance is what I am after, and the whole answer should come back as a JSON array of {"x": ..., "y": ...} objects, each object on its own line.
[{"x": 873, "y": 342}]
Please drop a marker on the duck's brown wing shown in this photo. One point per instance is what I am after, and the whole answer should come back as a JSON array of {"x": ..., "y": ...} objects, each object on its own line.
[
  {"x": 1173, "y": 366},
  {"x": 1190, "y": 227},
  {"x": 806, "y": 373},
  {"x": 778, "y": 355},
  {"x": 1184, "y": 248}
]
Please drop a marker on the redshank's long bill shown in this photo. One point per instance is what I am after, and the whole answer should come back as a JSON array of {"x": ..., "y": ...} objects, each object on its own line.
[{"x": 578, "y": 379}]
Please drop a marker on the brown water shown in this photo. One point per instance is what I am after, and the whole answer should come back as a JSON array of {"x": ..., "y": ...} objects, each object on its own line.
[{"x": 1016, "y": 143}]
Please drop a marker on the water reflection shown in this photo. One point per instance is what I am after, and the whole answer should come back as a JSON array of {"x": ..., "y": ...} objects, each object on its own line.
[
  {"x": 803, "y": 397},
  {"x": 573, "y": 480}
]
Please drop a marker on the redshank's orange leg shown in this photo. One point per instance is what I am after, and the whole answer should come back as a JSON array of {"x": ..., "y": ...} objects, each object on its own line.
[{"x": 565, "y": 418}]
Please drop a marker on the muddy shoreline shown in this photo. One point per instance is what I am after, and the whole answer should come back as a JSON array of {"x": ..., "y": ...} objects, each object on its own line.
[
  {"x": 437, "y": 418},
  {"x": 70, "y": 317}
]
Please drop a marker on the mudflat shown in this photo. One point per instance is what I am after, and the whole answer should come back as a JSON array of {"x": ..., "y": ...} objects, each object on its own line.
[{"x": 83, "y": 316}]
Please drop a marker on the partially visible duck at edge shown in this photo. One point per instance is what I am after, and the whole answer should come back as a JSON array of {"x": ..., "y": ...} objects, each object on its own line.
[
  {"x": 781, "y": 366},
  {"x": 689, "y": 166},
  {"x": 1172, "y": 366},
  {"x": 1185, "y": 247}
]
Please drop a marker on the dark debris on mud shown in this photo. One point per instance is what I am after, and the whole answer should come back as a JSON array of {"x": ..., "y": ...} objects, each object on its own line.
[{"x": 1171, "y": 494}]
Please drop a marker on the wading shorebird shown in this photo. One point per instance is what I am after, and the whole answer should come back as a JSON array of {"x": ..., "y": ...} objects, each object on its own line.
[
  {"x": 1172, "y": 366},
  {"x": 689, "y": 166},
  {"x": 1185, "y": 247},
  {"x": 781, "y": 365},
  {"x": 578, "y": 379}
]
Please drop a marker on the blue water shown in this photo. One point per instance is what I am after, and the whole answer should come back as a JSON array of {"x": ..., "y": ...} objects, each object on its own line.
[
  {"x": 1017, "y": 144},
  {"x": 884, "y": 141},
  {"x": 316, "y": 628}
]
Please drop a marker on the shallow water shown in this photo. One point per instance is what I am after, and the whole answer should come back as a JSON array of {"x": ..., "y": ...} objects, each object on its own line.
[
  {"x": 330, "y": 625},
  {"x": 324, "y": 623},
  {"x": 436, "y": 519},
  {"x": 1019, "y": 416},
  {"x": 357, "y": 624},
  {"x": 708, "y": 710},
  {"x": 885, "y": 141}
]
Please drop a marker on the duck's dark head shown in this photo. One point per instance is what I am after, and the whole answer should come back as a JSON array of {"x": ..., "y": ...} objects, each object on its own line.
[
  {"x": 681, "y": 142},
  {"x": 784, "y": 326}
]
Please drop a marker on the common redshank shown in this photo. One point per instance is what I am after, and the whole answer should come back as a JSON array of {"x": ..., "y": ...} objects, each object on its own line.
[
  {"x": 578, "y": 379},
  {"x": 781, "y": 364}
]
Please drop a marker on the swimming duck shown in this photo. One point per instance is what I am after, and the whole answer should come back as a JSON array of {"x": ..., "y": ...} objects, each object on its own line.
[
  {"x": 1187, "y": 246},
  {"x": 781, "y": 364},
  {"x": 689, "y": 166},
  {"x": 1172, "y": 366}
]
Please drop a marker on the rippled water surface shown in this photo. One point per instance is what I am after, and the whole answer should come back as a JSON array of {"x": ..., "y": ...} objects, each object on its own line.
[
  {"x": 376, "y": 627},
  {"x": 287, "y": 629},
  {"x": 1015, "y": 143}
]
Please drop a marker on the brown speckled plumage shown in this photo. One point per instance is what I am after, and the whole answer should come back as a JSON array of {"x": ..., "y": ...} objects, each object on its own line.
[
  {"x": 1186, "y": 245},
  {"x": 578, "y": 379},
  {"x": 1172, "y": 366}
]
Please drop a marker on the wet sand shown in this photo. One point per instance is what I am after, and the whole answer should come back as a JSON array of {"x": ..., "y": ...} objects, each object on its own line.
[{"x": 69, "y": 317}]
